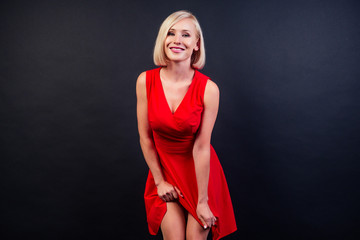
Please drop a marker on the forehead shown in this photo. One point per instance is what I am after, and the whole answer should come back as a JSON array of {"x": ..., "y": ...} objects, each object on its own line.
[{"x": 184, "y": 24}]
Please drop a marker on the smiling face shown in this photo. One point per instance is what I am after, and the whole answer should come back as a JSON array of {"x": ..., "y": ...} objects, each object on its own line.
[{"x": 182, "y": 39}]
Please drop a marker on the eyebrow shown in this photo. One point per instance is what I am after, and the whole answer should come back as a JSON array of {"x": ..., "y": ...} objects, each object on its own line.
[{"x": 186, "y": 30}]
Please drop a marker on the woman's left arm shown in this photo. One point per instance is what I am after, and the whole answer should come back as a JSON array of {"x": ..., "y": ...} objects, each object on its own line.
[{"x": 201, "y": 152}]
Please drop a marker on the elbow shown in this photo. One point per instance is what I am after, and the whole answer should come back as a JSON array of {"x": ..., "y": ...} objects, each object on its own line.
[
  {"x": 145, "y": 141},
  {"x": 142, "y": 141},
  {"x": 201, "y": 148}
]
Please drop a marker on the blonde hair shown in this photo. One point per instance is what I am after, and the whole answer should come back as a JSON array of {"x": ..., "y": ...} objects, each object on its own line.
[{"x": 197, "y": 58}]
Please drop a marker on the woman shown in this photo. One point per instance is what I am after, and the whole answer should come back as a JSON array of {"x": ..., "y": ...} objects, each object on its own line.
[{"x": 186, "y": 193}]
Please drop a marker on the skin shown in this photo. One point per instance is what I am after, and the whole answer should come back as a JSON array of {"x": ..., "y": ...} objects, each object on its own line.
[{"x": 176, "y": 78}]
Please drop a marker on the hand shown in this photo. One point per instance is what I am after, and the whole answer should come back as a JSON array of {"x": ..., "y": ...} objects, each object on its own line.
[
  {"x": 205, "y": 215},
  {"x": 168, "y": 192}
]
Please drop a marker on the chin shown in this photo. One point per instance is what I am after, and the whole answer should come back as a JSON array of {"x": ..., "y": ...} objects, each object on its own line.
[{"x": 177, "y": 59}]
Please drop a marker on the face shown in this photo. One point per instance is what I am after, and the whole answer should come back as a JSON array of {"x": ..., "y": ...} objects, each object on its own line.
[{"x": 181, "y": 41}]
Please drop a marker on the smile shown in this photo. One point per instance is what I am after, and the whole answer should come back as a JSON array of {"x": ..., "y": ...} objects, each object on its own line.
[{"x": 177, "y": 49}]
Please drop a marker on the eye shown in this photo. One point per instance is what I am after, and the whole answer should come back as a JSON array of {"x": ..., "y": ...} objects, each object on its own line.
[
  {"x": 186, "y": 35},
  {"x": 171, "y": 34}
]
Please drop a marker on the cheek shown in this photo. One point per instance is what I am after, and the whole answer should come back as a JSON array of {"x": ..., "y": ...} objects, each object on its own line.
[
  {"x": 193, "y": 41},
  {"x": 192, "y": 44},
  {"x": 167, "y": 41}
]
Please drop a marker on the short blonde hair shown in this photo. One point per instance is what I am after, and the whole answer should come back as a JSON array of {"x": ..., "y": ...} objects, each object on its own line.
[{"x": 197, "y": 58}]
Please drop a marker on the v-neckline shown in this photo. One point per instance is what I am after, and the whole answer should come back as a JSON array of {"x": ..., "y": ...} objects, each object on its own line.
[{"x": 182, "y": 100}]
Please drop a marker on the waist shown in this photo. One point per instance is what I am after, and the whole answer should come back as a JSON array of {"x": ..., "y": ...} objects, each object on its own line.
[{"x": 174, "y": 145}]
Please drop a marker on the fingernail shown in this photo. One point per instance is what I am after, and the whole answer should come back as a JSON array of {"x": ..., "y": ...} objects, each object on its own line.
[{"x": 205, "y": 227}]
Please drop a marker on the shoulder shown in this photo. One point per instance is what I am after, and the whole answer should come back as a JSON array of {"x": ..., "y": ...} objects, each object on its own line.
[
  {"x": 211, "y": 90},
  {"x": 211, "y": 95},
  {"x": 210, "y": 86},
  {"x": 142, "y": 77},
  {"x": 141, "y": 80}
]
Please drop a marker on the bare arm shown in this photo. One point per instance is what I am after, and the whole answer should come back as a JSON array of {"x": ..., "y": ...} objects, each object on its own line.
[
  {"x": 201, "y": 152},
  {"x": 166, "y": 191}
]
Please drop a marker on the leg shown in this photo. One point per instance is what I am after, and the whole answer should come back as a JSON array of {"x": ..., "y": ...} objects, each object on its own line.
[
  {"x": 173, "y": 223},
  {"x": 194, "y": 231}
]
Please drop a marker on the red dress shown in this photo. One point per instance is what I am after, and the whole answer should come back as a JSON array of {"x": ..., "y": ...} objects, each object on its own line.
[{"x": 174, "y": 135}]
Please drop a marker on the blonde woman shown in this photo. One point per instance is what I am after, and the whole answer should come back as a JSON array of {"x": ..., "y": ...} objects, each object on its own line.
[{"x": 186, "y": 193}]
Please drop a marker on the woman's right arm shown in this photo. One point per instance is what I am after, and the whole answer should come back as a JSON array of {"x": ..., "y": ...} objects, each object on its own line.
[{"x": 166, "y": 191}]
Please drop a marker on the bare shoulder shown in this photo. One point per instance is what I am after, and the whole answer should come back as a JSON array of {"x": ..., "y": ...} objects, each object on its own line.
[
  {"x": 211, "y": 90},
  {"x": 141, "y": 80},
  {"x": 141, "y": 85}
]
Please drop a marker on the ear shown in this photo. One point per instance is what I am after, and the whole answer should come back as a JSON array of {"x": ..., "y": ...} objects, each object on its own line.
[{"x": 197, "y": 47}]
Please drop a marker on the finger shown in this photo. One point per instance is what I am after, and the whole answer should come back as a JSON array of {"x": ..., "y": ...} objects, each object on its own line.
[
  {"x": 174, "y": 194},
  {"x": 178, "y": 192},
  {"x": 170, "y": 196},
  {"x": 214, "y": 221},
  {"x": 209, "y": 223},
  {"x": 165, "y": 197},
  {"x": 205, "y": 226}
]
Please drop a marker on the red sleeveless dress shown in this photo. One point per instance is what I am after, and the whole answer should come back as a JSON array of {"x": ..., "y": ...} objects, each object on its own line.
[{"x": 174, "y": 135}]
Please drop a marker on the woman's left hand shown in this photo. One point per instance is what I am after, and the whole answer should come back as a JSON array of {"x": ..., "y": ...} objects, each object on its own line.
[{"x": 205, "y": 215}]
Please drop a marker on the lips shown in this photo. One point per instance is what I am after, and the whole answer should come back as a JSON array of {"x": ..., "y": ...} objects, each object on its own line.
[{"x": 177, "y": 48}]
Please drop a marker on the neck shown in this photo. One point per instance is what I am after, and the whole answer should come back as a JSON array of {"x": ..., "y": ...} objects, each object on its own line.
[{"x": 178, "y": 71}]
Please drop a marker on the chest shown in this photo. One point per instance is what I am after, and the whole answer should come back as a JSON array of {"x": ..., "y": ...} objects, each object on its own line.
[
  {"x": 179, "y": 115},
  {"x": 175, "y": 93}
]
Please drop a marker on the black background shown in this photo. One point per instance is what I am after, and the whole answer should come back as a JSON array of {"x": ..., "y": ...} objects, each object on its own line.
[{"x": 287, "y": 133}]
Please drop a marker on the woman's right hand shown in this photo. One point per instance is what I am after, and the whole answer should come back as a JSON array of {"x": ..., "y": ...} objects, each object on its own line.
[{"x": 168, "y": 192}]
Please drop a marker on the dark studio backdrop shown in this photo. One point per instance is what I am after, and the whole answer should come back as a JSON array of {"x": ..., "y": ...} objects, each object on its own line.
[{"x": 287, "y": 132}]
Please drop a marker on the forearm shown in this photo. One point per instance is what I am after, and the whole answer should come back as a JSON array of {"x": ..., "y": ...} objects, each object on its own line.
[
  {"x": 152, "y": 159},
  {"x": 202, "y": 170}
]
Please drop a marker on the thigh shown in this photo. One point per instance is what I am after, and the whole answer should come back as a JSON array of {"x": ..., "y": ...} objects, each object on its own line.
[
  {"x": 173, "y": 223},
  {"x": 194, "y": 231}
]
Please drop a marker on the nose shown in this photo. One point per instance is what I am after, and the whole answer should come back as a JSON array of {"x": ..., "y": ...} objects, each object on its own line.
[{"x": 177, "y": 38}]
